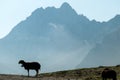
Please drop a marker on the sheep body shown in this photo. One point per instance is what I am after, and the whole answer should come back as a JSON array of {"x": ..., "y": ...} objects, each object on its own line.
[
  {"x": 108, "y": 73},
  {"x": 30, "y": 66}
]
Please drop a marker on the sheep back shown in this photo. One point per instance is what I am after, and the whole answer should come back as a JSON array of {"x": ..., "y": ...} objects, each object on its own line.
[
  {"x": 109, "y": 74},
  {"x": 32, "y": 65}
]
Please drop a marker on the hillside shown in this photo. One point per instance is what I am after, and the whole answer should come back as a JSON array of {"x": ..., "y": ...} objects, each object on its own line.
[
  {"x": 77, "y": 74},
  {"x": 102, "y": 54}
]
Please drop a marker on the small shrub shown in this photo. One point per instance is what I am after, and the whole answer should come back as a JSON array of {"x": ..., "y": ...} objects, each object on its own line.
[
  {"x": 101, "y": 66},
  {"x": 118, "y": 65}
]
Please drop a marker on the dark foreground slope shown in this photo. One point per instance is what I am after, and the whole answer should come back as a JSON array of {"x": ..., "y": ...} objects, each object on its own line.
[{"x": 77, "y": 74}]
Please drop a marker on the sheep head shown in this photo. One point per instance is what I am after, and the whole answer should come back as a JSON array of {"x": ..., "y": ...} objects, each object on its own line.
[{"x": 22, "y": 62}]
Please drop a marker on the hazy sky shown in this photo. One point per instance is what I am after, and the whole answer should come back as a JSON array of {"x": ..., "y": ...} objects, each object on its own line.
[{"x": 14, "y": 11}]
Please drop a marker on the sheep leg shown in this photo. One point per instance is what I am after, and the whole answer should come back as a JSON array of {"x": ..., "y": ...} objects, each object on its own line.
[
  {"x": 28, "y": 72},
  {"x": 37, "y": 71},
  {"x": 114, "y": 78},
  {"x": 104, "y": 79}
]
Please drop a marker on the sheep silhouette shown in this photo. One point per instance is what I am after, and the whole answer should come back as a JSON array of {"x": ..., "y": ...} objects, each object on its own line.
[
  {"x": 108, "y": 73},
  {"x": 30, "y": 66}
]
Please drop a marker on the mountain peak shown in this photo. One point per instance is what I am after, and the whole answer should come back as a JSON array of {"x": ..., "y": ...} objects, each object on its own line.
[
  {"x": 65, "y": 5},
  {"x": 116, "y": 18}
]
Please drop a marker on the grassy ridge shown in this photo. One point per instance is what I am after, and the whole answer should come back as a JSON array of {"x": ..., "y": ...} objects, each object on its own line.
[
  {"x": 77, "y": 74},
  {"x": 81, "y": 74}
]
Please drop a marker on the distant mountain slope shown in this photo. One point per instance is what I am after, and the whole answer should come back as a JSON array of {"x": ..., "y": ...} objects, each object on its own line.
[
  {"x": 58, "y": 38},
  {"x": 106, "y": 53}
]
